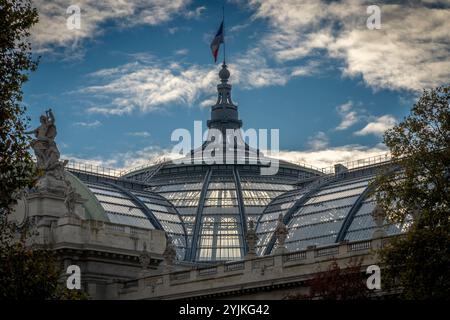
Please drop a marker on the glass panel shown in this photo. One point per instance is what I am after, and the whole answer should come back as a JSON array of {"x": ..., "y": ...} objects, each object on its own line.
[
  {"x": 337, "y": 195},
  {"x": 303, "y": 244},
  {"x": 123, "y": 210},
  {"x": 219, "y": 239},
  {"x": 130, "y": 221},
  {"x": 121, "y": 201},
  {"x": 345, "y": 186},
  {"x": 106, "y": 192}
]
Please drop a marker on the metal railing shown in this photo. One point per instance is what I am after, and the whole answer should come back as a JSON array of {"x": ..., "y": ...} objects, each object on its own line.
[
  {"x": 151, "y": 163},
  {"x": 118, "y": 173},
  {"x": 360, "y": 163},
  {"x": 92, "y": 168}
]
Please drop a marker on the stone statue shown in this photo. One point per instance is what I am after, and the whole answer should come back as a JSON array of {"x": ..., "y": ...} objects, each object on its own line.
[
  {"x": 170, "y": 253},
  {"x": 378, "y": 216},
  {"x": 281, "y": 232},
  {"x": 144, "y": 258},
  {"x": 70, "y": 197},
  {"x": 169, "y": 256},
  {"x": 251, "y": 238},
  {"x": 44, "y": 146},
  {"x": 47, "y": 153}
]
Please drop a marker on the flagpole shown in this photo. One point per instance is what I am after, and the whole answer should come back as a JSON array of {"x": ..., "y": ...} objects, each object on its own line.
[{"x": 223, "y": 20}]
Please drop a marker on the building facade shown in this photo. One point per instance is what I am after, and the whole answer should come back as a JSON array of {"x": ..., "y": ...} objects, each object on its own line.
[{"x": 198, "y": 228}]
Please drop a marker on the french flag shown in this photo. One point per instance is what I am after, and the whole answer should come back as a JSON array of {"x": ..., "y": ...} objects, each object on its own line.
[{"x": 215, "y": 44}]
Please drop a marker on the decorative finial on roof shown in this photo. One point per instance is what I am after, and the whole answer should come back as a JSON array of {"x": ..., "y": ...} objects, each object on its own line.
[
  {"x": 224, "y": 74},
  {"x": 224, "y": 114}
]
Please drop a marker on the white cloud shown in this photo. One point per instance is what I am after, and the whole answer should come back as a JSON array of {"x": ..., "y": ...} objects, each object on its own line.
[
  {"x": 238, "y": 27},
  {"x": 348, "y": 155},
  {"x": 195, "y": 14},
  {"x": 251, "y": 70},
  {"x": 319, "y": 141},
  {"x": 123, "y": 161},
  {"x": 349, "y": 116},
  {"x": 411, "y": 51},
  {"x": 207, "y": 103},
  {"x": 143, "y": 134},
  {"x": 52, "y": 28},
  {"x": 151, "y": 84},
  {"x": 92, "y": 124},
  {"x": 148, "y": 86},
  {"x": 378, "y": 126},
  {"x": 181, "y": 52}
]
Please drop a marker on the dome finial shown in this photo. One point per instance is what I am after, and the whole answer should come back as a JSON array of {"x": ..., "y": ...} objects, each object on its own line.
[{"x": 224, "y": 74}]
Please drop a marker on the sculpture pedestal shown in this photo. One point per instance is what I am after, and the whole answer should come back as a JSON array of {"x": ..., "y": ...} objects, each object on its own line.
[
  {"x": 250, "y": 256},
  {"x": 281, "y": 250},
  {"x": 49, "y": 184},
  {"x": 50, "y": 205},
  {"x": 379, "y": 233}
]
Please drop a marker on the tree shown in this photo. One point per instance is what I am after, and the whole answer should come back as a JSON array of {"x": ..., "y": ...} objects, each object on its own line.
[
  {"x": 25, "y": 272},
  {"x": 16, "y": 61},
  {"x": 28, "y": 273},
  {"x": 337, "y": 283},
  {"x": 417, "y": 194}
]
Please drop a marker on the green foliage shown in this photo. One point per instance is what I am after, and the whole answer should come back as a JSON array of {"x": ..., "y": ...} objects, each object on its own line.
[
  {"x": 337, "y": 283},
  {"x": 417, "y": 265},
  {"x": 421, "y": 146},
  {"x": 16, "y": 165},
  {"x": 420, "y": 190},
  {"x": 29, "y": 273},
  {"x": 25, "y": 272}
]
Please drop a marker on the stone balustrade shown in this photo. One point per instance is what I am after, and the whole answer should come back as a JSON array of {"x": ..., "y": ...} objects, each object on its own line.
[
  {"x": 97, "y": 233},
  {"x": 257, "y": 271}
]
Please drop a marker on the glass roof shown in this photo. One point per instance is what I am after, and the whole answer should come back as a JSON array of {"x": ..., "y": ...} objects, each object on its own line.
[
  {"x": 320, "y": 218},
  {"x": 268, "y": 221},
  {"x": 205, "y": 207},
  {"x": 119, "y": 208},
  {"x": 220, "y": 235},
  {"x": 183, "y": 190},
  {"x": 122, "y": 208},
  {"x": 363, "y": 226},
  {"x": 214, "y": 203}
]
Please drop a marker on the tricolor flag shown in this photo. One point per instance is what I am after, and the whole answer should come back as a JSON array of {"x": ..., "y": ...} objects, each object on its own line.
[{"x": 215, "y": 44}]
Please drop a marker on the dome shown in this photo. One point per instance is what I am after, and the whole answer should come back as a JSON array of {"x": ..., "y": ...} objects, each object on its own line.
[
  {"x": 128, "y": 204},
  {"x": 216, "y": 202},
  {"x": 205, "y": 206},
  {"x": 332, "y": 209}
]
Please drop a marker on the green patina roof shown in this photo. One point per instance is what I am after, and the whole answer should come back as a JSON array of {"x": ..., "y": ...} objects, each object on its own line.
[{"x": 93, "y": 208}]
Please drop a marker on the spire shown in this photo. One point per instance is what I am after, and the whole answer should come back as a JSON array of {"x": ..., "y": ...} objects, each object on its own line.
[{"x": 224, "y": 114}]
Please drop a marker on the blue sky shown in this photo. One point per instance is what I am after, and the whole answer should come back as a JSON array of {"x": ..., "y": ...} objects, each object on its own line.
[{"x": 137, "y": 70}]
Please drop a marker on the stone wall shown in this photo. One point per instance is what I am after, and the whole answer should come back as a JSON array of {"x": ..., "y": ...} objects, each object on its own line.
[{"x": 268, "y": 277}]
